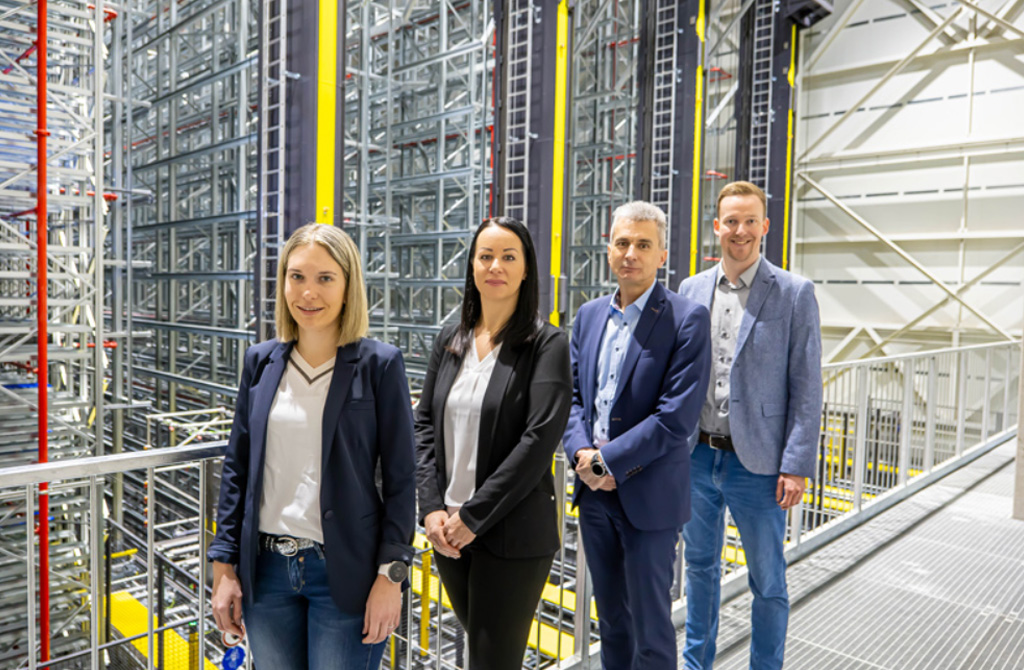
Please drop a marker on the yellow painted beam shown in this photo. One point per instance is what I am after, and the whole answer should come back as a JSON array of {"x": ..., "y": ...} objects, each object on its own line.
[
  {"x": 128, "y": 616},
  {"x": 548, "y": 644},
  {"x": 698, "y": 129},
  {"x": 558, "y": 172},
  {"x": 326, "y": 110},
  {"x": 791, "y": 77}
]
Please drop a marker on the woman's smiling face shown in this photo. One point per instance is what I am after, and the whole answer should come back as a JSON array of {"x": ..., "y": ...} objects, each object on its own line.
[{"x": 314, "y": 289}]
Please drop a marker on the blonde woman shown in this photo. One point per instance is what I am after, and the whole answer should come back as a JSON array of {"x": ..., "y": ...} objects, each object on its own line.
[{"x": 309, "y": 553}]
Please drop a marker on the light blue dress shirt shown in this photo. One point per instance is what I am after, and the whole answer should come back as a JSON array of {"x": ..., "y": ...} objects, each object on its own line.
[{"x": 617, "y": 333}]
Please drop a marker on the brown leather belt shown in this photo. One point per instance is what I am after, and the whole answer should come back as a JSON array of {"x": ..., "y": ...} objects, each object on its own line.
[{"x": 720, "y": 442}]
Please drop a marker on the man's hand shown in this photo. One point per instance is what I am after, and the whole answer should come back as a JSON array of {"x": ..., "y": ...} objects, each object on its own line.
[
  {"x": 383, "y": 610},
  {"x": 456, "y": 532},
  {"x": 583, "y": 457},
  {"x": 227, "y": 599},
  {"x": 789, "y": 490},
  {"x": 434, "y": 524}
]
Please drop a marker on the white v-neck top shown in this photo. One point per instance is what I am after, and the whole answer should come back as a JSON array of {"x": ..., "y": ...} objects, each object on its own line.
[
  {"x": 290, "y": 504},
  {"x": 462, "y": 424}
]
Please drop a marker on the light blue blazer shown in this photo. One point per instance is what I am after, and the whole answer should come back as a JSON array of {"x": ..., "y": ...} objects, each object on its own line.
[{"x": 775, "y": 383}]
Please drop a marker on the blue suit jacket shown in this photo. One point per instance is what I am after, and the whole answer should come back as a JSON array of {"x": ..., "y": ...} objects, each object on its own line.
[
  {"x": 775, "y": 381},
  {"x": 657, "y": 404},
  {"x": 367, "y": 419}
]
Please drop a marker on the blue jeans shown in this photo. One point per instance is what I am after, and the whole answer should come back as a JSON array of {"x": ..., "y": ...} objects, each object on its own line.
[
  {"x": 293, "y": 624},
  {"x": 717, "y": 479}
]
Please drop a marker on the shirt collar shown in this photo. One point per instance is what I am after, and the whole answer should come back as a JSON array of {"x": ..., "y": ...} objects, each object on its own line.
[
  {"x": 635, "y": 307},
  {"x": 746, "y": 278}
]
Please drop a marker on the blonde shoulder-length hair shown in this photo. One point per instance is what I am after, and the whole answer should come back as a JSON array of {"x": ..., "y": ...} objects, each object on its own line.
[{"x": 355, "y": 322}]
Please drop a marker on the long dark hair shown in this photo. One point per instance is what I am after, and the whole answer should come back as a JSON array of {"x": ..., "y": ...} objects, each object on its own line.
[{"x": 522, "y": 325}]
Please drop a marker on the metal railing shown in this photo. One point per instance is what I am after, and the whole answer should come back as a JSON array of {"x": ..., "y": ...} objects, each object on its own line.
[{"x": 889, "y": 426}]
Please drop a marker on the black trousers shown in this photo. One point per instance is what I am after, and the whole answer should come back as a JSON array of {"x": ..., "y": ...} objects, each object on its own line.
[{"x": 495, "y": 600}]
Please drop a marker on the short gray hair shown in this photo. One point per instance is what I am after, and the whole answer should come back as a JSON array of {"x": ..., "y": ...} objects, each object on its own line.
[{"x": 639, "y": 210}]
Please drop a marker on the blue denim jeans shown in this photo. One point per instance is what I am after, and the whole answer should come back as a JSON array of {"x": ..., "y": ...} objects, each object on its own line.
[
  {"x": 717, "y": 480},
  {"x": 293, "y": 624}
]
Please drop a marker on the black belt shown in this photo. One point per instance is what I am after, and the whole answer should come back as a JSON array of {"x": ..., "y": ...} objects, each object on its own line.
[
  {"x": 720, "y": 442},
  {"x": 285, "y": 545}
]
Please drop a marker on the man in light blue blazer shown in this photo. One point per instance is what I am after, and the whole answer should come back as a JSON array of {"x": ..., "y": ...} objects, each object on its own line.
[
  {"x": 759, "y": 427},
  {"x": 640, "y": 365}
]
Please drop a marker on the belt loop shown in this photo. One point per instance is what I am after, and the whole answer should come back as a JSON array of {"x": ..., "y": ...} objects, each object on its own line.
[{"x": 319, "y": 550}]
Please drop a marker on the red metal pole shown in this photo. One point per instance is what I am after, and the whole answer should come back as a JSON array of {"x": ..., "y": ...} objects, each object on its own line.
[{"x": 43, "y": 367}]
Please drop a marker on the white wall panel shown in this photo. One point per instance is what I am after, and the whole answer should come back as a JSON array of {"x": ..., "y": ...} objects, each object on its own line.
[{"x": 899, "y": 163}]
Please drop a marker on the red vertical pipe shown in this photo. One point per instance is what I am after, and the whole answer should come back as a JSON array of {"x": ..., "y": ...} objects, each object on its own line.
[{"x": 43, "y": 367}]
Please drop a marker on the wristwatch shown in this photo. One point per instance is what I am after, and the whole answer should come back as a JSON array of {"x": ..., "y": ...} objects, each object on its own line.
[
  {"x": 597, "y": 466},
  {"x": 395, "y": 571}
]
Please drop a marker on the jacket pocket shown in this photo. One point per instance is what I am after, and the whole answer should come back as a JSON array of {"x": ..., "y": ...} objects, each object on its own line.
[{"x": 773, "y": 408}]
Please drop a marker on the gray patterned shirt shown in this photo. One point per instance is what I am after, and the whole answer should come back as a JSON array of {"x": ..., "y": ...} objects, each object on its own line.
[{"x": 727, "y": 307}]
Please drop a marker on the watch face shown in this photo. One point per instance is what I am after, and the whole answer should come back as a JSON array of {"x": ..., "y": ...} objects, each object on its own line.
[{"x": 398, "y": 571}]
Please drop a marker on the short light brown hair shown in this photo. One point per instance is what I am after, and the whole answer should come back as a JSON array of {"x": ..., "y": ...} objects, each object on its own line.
[
  {"x": 355, "y": 321},
  {"x": 741, "y": 188}
]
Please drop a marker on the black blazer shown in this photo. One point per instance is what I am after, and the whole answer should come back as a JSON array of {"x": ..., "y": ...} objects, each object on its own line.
[
  {"x": 524, "y": 412},
  {"x": 367, "y": 420}
]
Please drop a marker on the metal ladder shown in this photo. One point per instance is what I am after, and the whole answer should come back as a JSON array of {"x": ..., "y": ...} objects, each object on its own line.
[
  {"x": 761, "y": 92},
  {"x": 273, "y": 77},
  {"x": 664, "y": 106},
  {"x": 519, "y": 36}
]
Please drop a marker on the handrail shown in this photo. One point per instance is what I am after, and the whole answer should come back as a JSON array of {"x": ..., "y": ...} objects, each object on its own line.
[
  {"x": 888, "y": 430},
  {"x": 39, "y": 473},
  {"x": 918, "y": 354}
]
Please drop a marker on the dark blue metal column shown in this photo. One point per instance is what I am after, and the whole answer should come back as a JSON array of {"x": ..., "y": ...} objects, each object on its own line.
[
  {"x": 764, "y": 107},
  {"x": 525, "y": 125},
  {"x": 670, "y": 123}
]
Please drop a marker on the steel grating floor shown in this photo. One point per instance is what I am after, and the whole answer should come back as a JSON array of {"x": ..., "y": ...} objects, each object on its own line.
[{"x": 935, "y": 583}]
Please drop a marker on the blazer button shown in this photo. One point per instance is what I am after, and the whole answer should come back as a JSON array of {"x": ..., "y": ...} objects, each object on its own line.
[{"x": 329, "y": 514}]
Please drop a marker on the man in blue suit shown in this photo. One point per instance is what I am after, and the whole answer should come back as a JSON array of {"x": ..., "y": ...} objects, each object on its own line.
[
  {"x": 758, "y": 437},
  {"x": 640, "y": 363}
]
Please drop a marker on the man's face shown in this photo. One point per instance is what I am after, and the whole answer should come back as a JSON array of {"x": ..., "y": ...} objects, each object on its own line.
[
  {"x": 635, "y": 253},
  {"x": 740, "y": 225}
]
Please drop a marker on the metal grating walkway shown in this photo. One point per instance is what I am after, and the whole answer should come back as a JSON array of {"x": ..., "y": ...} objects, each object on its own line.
[{"x": 935, "y": 583}]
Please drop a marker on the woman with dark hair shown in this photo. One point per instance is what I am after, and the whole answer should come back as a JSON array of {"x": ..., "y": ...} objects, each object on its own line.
[{"x": 495, "y": 402}]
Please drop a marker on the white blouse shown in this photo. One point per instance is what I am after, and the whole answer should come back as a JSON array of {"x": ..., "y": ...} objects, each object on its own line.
[
  {"x": 290, "y": 504},
  {"x": 462, "y": 424}
]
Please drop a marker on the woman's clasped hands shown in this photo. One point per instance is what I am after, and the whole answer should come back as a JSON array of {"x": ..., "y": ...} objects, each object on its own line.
[{"x": 447, "y": 533}]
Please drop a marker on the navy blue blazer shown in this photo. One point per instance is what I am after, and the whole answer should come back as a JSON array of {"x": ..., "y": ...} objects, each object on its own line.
[
  {"x": 367, "y": 419},
  {"x": 657, "y": 404}
]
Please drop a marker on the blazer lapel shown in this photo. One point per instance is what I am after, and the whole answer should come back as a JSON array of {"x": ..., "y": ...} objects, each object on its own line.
[
  {"x": 259, "y": 408},
  {"x": 706, "y": 291},
  {"x": 589, "y": 352},
  {"x": 493, "y": 396},
  {"x": 446, "y": 373},
  {"x": 763, "y": 280},
  {"x": 341, "y": 381},
  {"x": 652, "y": 310}
]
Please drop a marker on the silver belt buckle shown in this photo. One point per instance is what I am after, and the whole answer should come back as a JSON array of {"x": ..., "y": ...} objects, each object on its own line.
[{"x": 286, "y": 546}]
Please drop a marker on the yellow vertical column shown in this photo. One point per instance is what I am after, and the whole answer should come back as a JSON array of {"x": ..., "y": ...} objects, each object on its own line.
[
  {"x": 558, "y": 173},
  {"x": 326, "y": 110},
  {"x": 698, "y": 123},
  {"x": 791, "y": 77}
]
